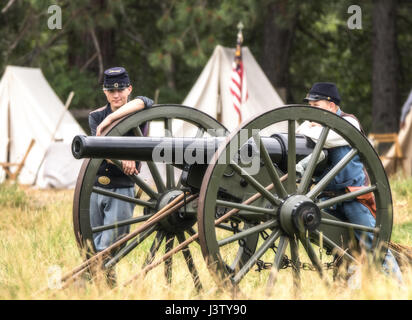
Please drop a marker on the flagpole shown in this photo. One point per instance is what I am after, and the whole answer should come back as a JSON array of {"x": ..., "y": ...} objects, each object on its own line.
[{"x": 239, "y": 33}]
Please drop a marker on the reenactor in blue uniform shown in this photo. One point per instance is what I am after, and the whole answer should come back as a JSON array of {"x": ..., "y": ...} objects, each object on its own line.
[
  {"x": 361, "y": 211},
  {"x": 103, "y": 209}
]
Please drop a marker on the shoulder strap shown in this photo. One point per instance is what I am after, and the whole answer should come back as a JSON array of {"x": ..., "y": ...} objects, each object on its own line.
[
  {"x": 344, "y": 114},
  {"x": 99, "y": 109}
]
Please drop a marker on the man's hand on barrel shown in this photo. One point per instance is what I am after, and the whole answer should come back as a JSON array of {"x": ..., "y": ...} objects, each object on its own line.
[{"x": 129, "y": 167}]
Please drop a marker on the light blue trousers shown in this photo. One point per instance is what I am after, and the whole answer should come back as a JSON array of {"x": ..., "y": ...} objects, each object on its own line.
[
  {"x": 357, "y": 213},
  {"x": 106, "y": 210}
]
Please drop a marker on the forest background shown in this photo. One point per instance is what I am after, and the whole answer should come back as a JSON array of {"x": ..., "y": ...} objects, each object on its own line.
[{"x": 164, "y": 45}]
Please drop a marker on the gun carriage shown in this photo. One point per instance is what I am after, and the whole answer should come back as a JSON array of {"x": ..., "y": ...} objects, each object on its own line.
[{"x": 240, "y": 211}]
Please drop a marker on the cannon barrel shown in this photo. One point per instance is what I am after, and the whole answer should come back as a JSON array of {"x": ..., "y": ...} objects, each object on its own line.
[
  {"x": 139, "y": 148},
  {"x": 178, "y": 151}
]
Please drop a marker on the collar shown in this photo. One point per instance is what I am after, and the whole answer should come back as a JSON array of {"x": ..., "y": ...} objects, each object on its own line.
[
  {"x": 109, "y": 108},
  {"x": 339, "y": 112}
]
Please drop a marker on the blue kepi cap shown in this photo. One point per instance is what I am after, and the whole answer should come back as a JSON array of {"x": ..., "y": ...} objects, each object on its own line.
[
  {"x": 116, "y": 78},
  {"x": 323, "y": 91}
]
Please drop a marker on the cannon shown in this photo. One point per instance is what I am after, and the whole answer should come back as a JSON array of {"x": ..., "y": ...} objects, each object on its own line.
[
  {"x": 191, "y": 155},
  {"x": 241, "y": 210}
]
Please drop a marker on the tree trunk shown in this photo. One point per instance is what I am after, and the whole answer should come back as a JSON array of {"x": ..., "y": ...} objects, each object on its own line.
[
  {"x": 385, "y": 95},
  {"x": 279, "y": 29},
  {"x": 80, "y": 48},
  {"x": 83, "y": 49}
]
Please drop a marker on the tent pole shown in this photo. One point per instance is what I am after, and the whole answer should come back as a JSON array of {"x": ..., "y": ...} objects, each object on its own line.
[
  {"x": 8, "y": 132},
  {"x": 219, "y": 107},
  {"x": 7, "y": 172},
  {"x": 66, "y": 107},
  {"x": 156, "y": 95}
]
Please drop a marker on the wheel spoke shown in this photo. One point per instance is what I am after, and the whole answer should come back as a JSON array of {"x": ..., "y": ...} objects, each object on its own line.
[
  {"x": 123, "y": 197},
  {"x": 307, "y": 176},
  {"x": 191, "y": 232},
  {"x": 136, "y": 179},
  {"x": 336, "y": 247},
  {"x": 130, "y": 246},
  {"x": 157, "y": 178},
  {"x": 283, "y": 243},
  {"x": 144, "y": 186},
  {"x": 189, "y": 262},
  {"x": 225, "y": 226},
  {"x": 280, "y": 190},
  {"x": 248, "y": 208},
  {"x": 322, "y": 184},
  {"x": 312, "y": 254},
  {"x": 179, "y": 181},
  {"x": 154, "y": 248},
  {"x": 294, "y": 253},
  {"x": 261, "y": 189},
  {"x": 169, "y": 261},
  {"x": 291, "y": 182},
  {"x": 170, "y": 176},
  {"x": 247, "y": 232},
  {"x": 154, "y": 171},
  {"x": 152, "y": 265},
  {"x": 345, "y": 197},
  {"x": 200, "y": 132},
  {"x": 348, "y": 225},
  {"x": 249, "y": 216},
  {"x": 122, "y": 223},
  {"x": 170, "y": 170},
  {"x": 255, "y": 257}
]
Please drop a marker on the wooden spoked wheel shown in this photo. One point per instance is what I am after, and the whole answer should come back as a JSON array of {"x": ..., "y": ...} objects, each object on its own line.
[
  {"x": 288, "y": 219},
  {"x": 171, "y": 230}
]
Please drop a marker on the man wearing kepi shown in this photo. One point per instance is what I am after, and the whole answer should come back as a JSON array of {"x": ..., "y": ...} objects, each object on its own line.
[
  {"x": 106, "y": 210},
  {"x": 362, "y": 211}
]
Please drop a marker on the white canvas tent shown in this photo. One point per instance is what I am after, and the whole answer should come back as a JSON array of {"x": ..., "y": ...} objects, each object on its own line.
[
  {"x": 390, "y": 163},
  {"x": 30, "y": 109},
  {"x": 211, "y": 92}
]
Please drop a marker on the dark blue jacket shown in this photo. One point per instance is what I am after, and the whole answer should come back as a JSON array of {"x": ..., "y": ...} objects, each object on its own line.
[{"x": 116, "y": 177}]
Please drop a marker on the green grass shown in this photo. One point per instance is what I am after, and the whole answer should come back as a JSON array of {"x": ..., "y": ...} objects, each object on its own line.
[
  {"x": 402, "y": 233},
  {"x": 12, "y": 196},
  {"x": 402, "y": 200},
  {"x": 401, "y": 187},
  {"x": 37, "y": 240}
]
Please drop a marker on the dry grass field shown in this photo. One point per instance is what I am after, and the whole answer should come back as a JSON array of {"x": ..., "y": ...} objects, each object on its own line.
[{"x": 37, "y": 244}]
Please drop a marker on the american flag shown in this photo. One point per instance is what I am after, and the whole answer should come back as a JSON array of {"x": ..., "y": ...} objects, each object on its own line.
[{"x": 238, "y": 87}]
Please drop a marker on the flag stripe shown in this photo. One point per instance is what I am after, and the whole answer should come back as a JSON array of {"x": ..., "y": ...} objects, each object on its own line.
[{"x": 238, "y": 87}]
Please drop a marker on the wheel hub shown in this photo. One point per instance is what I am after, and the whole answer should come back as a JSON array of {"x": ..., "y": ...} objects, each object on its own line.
[
  {"x": 298, "y": 214},
  {"x": 178, "y": 221}
]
